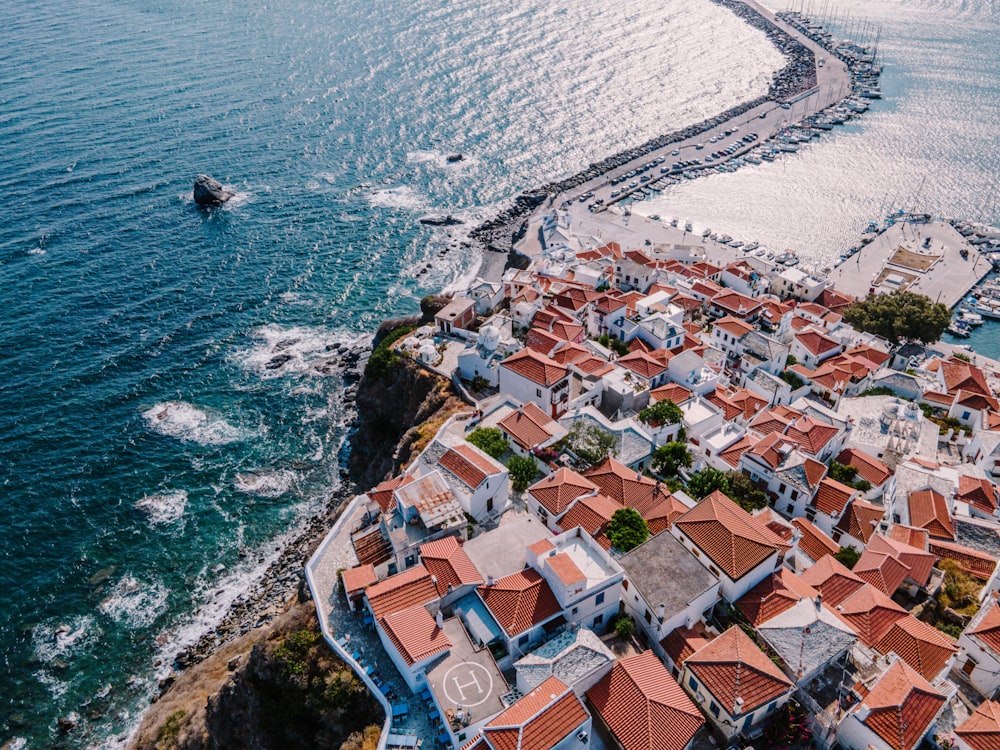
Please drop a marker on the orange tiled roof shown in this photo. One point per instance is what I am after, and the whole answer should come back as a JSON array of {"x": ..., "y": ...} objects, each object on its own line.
[
  {"x": 870, "y": 612},
  {"x": 734, "y": 326},
  {"x": 732, "y": 667},
  {"x": 773, "y": 595},
  {"x": 977, "y": 492},
  {"x": 929, "y": 510},
  {"x": 660, "y": 512},
  {"x": 625, "y": 485},
  {"x": 642, "y": 364},
  {"x": 988, "y": 629},
  {"x": 919, "y": 561},
  {"x": 860, "y": 519},
  {"x": 520, "y": 600},
  {"x": 732, "y": 538},
  {"x": 466, "y": 465},
  {"x": 591, "y": 513},
  {"x": 401, "y": 591},
  {"x": 832, "y": 497},
  {"x": 681, "y": 642},
  {"x": 977, "y": 564},
  {"x": 383, "y": 493},
  {"x": 644, "y": 707},
  {"x": 528, "y": 425},
  {"x": 833, "y": 579},
  {"x": 815, "y": 342},
  {"x": 732, "y": 454},
  {"x": 881, "y": 570},
  {"x": 538, "y": 720},
  {"x": 814, "y": 541},
  {"x": 909, "y": 535},
  {"x": 358, "y": 578},
  {"x": 902, "y": 706},
  {"x": 565, "y": 569},
  {"x": 981, "y": 731},
  {"x": 672, "y": 391},
  {"x": 869, "y": 467},
  {"x": 557, "y": 493},
  {"x": 811, "y": 434},
  {"x": 922, "y": 646},
  {"x": 447, "y": 561},
  {"x": 535, "y": 367},
  {"x": 415, "y": 634},
  {"x": 735, "y": 303},
  {"x": 959, "y": 375}
]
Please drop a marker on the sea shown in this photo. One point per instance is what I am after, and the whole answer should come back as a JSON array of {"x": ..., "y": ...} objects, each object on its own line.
[{"x": 171, "y": 403}]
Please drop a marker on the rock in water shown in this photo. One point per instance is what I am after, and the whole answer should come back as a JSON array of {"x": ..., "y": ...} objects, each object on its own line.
[
  {"x": 452, "y": 158},
  {"x": 209, "y": 192}
]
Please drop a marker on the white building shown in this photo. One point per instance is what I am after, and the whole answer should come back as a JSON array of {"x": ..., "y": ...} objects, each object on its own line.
[{"x": 529, "y": 376}]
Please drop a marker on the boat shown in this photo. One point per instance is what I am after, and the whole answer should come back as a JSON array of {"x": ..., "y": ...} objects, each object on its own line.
[
  {"x": 687, "y": 226},
  {"x": 737, "y": 245},
  {"x": 452, "y": 158},
  {"x": 706, "y": 233},
  {"x": 970, "y": 318},
  {"x": 440, "y": 221},
  {"x": 957, "y": 329}
]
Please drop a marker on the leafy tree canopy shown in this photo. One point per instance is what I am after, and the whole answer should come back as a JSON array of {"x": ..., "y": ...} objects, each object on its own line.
[
  {"x": 627, "y": 529},
  {"x": 848, "y": 557},
  {"x": 848, "y": 475},
  {"x": 522, "y": 471},
  {"x": 900, "y": 316},
  {"x": 707, "y": 481},
  {"x": 662, "y": 412},
  {"x": 744, "y": 492},
  {"x": 670, "y": 457},
  {"x": 489, "y": 440},
  {"x": 610, "y": 342},
  {"x": 590, "y": 442}
]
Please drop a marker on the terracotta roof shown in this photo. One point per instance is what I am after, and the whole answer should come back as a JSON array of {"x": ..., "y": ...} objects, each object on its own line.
[
  {"x": 732, "y": 454},
  {"x": 520, "y": 600},
  {"x": 383, "y": 493},
  {"x": 870, "y": 612},
  {"x": 960, "y": 375},
  {"x": 538, "y": 720},
  {"x": 733, "y": 326},
  {"x": 860, "y": 519},
  {"x": 815, "y": 342},
  {"x": 359, "y": 578},
  {"x": 981, "y": 731},
  {"x": 737, "y": 673},
  {"x": 909, "y": 535},
  {"x": 732, "y": 538},
  {"x": 832, "y": 497},
  {"x": 540, "y": 340},
  {"x": 772, "y": 596},
  {"x": 557, "y": 493},
  {"x": 660, "y": 512},
  {"x": 447, "y": 561},
  {"x": 681, "y": 642},
  {"x": 902, "y": 706},
  {"x": 833, "y": 579},
  {"x": 811, "y": 434},
  {"x": 922, "y": 646},
  {"x": 977, "y": 492},
  {"x": 642, "y": 364},
  {"x": 672, "y": 391},
  {"x": 814, "y": 542},
  {"x": 775, "y": 523},
  {"x": 401, "y": 591},
  {"x": 881, "y": 570},
  {"x": 977, "y": 564},
  {"x": 415, "y": 634},
  {"x": 565, "y": 569},
  {"x": 535, "y": 367},
  {"x": 644, "y": 707},
  {"x": 470, "y": 465},
  {"x": 529, "y": 426},
  {"x": 929, "y": 510},
  {"x": 591, "y": 514},
  {"x": 625, "y": 485},
  {"x": 735, "y": 303},
  {"x": 987, "y": 630},
  {"x": 919, "y": 561}
]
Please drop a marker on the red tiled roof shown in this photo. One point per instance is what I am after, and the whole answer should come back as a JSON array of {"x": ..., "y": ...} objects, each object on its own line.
[
  {"x": 681, "y": 642},
  {"x": 590, "y": 513},
  {"x": 672, "y": 391},
  {"x": 881, "y": 570},
  {"x": 919, "y": 562},
  {"x": 732, "y": 538},
  {"x": 860, "y": 519},
  {"x": 833, "y": 579},
  {"x": 556, "y": 493},
  {"x": 732, "y": 667},
  {"x": 815, "y": 342},
  {"x": 625, "y": 485},
  {"x": 922, "y": 646},
  {"x": 401, "y": 591},
  {"x": 642, "y": 364},
  {"x": 977, "y": 564},
  {"x": 870, "y": 612},
  {"x": 734, "y": 326},
  {"x": 415, "y": 634},
  {"x": 358, "y": 578},
  {"x": 773, "y": 595},
  {"x": 447, "y": 561},
  {"x": 732, "y": 454},
  {"x": 814, "y": 542},
  {"x": 466, "y": 465},
  {"x": 535, "y": 367},
  {"x": 538, "y": 720},
  {"x": 977, "y": 492},
  {"x": 773, "y": 449},
  {"x": 660, "y": 512},
  {"x": 383, "y": 493},
  {"x": 520, "y": 600},
  {"x": 735, "y": 303},
  {"x": 565, "y": 569},
  {"x": 811, "y": 434},
  {"x": 987, "y": 630},
  {"x": 981, "y": 731},
  {"x": 902, "y": 706},
  {"x": 644, "y": 707},
  {"x": 929, "y": 510},
  {"x": 960, "y": 375},
  {"x": 909, "y": 535},
  {"x": 832, "y": 497},
  {"x": 529, "y": 426},
  {"x": 540, "y": 340}
]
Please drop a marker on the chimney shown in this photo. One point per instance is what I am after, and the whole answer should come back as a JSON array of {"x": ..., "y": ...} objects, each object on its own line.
[
  {"x": 439, "y": 619},
  {"x": 661, "y": 612},
  {"x": 819, "y": 600},
  {"x": 434, "y": 580},
  {"x": 489, "y": 580}
]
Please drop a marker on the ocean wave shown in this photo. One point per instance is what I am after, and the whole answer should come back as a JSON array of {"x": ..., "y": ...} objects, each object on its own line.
[
  {"x": 268, "y": 484},
  {"x": 135, "y": 604},
  {"x": 57, "y": 639},
  {"x": 297, "y": 350},
  {"x": 184, "y": 421},
  {"x": 397, "y": 197},
  {"x": 165, "y": 507},
  {"x": 437, "y": 158}
]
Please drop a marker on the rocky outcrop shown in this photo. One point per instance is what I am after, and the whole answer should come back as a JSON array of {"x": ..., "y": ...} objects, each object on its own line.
[{"x": 209, "y": 192}]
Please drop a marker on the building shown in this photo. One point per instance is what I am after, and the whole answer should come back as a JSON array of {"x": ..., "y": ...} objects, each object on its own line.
[
  {"x": 577, "y": 657},
  {"x": 981, "y": 731},
  {"x": 979, "y": 651},
  {"x": 530, "y": 376}
]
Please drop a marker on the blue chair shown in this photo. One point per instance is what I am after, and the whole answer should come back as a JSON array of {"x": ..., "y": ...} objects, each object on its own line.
[
  {"x": 444, "y": 739},
  {"x": 434, "y": 715}
]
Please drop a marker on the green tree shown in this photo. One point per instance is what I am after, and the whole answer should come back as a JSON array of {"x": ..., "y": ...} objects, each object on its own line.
[
  {"x": 848, "y": 475},
  {"x": 616, "y": 345},
  {"x": 670, "y": 457},
  {"x": 900, "y": 316},
  {"x": 489, "y": 440},
  {"x": 590, "y": 442},
  {"x": 625, "y": 627},
  {"x": 848, "y": 557},
  {"x": 707, "y": 481},
  {"x": 660, "y": 413},
  {"x": 744, "y": 492},
  {"x": 627, "y": 529},
  {"x": 522, "y": 471}
]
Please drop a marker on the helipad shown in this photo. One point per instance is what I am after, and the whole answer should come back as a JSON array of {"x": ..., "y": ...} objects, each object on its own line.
[{"x": 467, "y": 679}]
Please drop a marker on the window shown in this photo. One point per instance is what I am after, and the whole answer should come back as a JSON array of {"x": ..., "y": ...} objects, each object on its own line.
[
  {"x": 538, "y": 392},
  {"x": 969, "y": 667},
  {"x": 837, "y": 533},
  {"x": 625, "y": 583},
  {"x": 713, "y": 569},
  {"x": 598, "y": 620},
  {"x": 599, "y": 599},
  {"x": 523, "y": 640},
  {"x": 795, "y": 494},
  {"x": 692, "y": 683},
  {"x": 782, "y": 488},
  {"x": 574, "y": 611},
  {"x": 714, "y": 709},
  {"x": 489, "y": 504},
  {"x": 965, "y": 415},
  {"x": 649, "y": 616}
]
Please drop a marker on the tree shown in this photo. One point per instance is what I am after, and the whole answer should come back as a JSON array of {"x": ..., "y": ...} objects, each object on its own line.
[
  {"x": 489, "y": 440},
  {"x": 616, "y": 345},
  {"x": 670, "y": 457},
  {"x": 744, "y": 492},
  {"x": 590, "y": 442},
  {"x": 660, "y": 413},
  {"x": 707, "y": 481},
  {"x": 627, "y": 529},
  {"x": 848, "y": 475},
  {"x": 848, "y": 557},
  {"x": 900, "y": 316},
  {"x": 625, "y": 627},
  {"x": 522, "y": 471}
]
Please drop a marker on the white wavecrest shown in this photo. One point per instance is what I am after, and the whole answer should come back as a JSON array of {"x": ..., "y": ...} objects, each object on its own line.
[
  {"x": 265, "y": 483},
  {"x": 56, "y": 639},
  {"x": 135, "y": 604},
  {"x": 165, "y": 507},
  {"x": 296, "y": 350},
  {"x": 397, "y": 197},
  {"x": 185, "y": 421}
]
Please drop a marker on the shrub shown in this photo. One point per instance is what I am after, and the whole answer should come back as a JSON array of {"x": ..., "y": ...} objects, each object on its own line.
[
  {"x": 616, "y": 345},
  {"x": 590, "y": 442},
  {"x": 660, "y": 413},
  {"x": 848, "y": 557},
  {"x": 670, "y": 457},
  {"x": 624, "y": 627},
  {"x": 627, "y": 529},
  {"x": 744, "y": 492},
  {"x": 522, "y": 471},
  {"x": 489, "y": 440},
  {"x": 383, "y": 356},
  {"x": 166, "y": 736},
  {"x": 707, "y": 481}
]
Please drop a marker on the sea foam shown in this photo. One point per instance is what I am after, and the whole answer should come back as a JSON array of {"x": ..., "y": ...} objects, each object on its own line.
[
  {"x": 184, "y": 421},
  {"x": 135, "y": 604},
  {"x": 165, "y": 507},
  {"x": 265, "y": 483}
]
